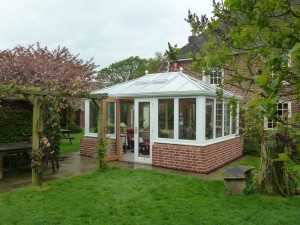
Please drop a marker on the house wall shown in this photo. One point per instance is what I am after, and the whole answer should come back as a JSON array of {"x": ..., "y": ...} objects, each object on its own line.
[{"x": 196, "y": 159}]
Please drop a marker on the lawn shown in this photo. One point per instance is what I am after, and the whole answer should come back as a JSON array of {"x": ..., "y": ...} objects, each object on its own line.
[
  {"x": 67, "y": 147},
  {"x": 120, "y": 196}
]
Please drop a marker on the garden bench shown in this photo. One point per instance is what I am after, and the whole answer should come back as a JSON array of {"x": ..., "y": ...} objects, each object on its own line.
[{"x": 235, "y": 178}]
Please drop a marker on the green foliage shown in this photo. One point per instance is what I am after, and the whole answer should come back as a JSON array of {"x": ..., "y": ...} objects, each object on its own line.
[
  {"x": 251, "y": 187},
  {"x": 172, "y": 53},
  {"x": 254, "y": 41},
  {"x": 121, "y": 71},
  {"x": 51, "y": 120},
  {"x": 101, "y": 153},
  {"x": 155, "y": 62},
  {"x": 252, "y": 130},
  {"x": 128, "y": 69},
  {"x": 75, "y": 128},
  {"x": 16, "y": 122}
]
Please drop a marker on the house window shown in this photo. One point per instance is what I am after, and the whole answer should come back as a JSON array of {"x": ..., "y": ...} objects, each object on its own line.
[
  {"x": 219, "y": 118},
  {"x": 110, "y": 119},
  {"x": 283, "y": 111},
  {"x": 93, "y": 111},
  {"x": 166, "y": 118},
  {"x": 216, "y": 75},
  {"x": 187, "y": 118},
  {"x": 209, "y": 119}
]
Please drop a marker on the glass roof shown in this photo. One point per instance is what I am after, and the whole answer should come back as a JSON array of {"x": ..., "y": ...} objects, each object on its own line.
[{"x": 159, "y": 85}]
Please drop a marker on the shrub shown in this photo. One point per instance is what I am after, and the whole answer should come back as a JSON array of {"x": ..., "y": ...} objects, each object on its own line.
[
  {"x": 252, "y": 130},
  {"x": 16, "y": 118},
  {"x": 75, "y": 128}
]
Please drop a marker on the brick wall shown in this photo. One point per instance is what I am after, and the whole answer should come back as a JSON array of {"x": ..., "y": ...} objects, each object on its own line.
[
  {"x": 194, "y": 158},
  {"x": 88, "y": 146}
]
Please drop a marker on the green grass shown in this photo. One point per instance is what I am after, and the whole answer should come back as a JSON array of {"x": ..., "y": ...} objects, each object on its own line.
[
  {"x": 67, "y": 147},
  {"x": 119, "y": 196}
]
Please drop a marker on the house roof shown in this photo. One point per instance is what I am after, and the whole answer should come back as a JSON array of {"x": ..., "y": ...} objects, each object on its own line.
[{"x": 162, "y": 85}]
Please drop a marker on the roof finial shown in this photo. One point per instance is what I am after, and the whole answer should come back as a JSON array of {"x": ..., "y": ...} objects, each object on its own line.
[
  {"x": 168, "y": 67},
  {"x": 146, "y": 72},
  {"x": 181, "y": 69}
]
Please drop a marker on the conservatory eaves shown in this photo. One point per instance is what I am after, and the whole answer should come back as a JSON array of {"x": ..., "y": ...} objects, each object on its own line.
[{"x": 160, "y": 85}]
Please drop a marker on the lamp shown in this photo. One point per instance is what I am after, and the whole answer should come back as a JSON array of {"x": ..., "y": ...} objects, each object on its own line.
[{"x": 123, "y": 127}]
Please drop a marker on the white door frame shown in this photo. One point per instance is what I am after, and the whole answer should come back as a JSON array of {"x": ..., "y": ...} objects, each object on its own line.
[{"x": 137, "y": 158}]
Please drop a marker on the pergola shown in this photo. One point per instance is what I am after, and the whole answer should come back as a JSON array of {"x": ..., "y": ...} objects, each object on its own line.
[{"x": 36, "y": 96}]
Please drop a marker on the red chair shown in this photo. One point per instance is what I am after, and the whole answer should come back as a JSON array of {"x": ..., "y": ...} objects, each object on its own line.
[{"x": 130, "y": 137}]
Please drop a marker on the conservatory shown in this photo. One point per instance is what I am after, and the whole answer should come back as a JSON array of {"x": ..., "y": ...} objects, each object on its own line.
[{"x": 166, "y": 119}]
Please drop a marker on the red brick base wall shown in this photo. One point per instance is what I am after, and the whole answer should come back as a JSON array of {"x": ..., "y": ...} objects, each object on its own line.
[
  {"x": 197, "y": 159},
  {"x": 88, "y": 146}
]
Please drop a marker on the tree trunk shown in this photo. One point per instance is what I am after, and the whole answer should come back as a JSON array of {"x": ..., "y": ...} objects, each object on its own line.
[{"x": 271, "y": 179}]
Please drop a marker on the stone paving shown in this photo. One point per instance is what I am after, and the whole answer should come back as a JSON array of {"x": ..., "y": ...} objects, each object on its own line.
[{"x": 73, "y": 164}]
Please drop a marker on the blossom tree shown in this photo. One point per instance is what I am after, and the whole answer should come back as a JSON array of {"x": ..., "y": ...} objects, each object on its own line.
[
  {"x": 36, "y": 66},
  {"x": 42, "y": 76}
]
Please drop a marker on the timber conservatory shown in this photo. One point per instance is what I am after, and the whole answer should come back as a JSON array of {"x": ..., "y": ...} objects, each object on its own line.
[{"x": 168, "y": 120}]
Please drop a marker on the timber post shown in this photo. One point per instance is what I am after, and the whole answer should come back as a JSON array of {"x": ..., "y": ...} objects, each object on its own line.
[{"x": 37, "y": 126}]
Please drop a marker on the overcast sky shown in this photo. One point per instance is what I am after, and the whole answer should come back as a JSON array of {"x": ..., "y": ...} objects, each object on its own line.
[{"x": 107, "y": 30}]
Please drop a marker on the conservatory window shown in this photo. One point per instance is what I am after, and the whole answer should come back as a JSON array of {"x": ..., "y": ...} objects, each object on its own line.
[
  {"x": 226, "y": 119},
  {"x": 187, "y": 118},
  {"x": 111, "y": 119},
  {"x": 166, "y": 118},
  {"x": 219, "y": 118},
  {"x": 209, "y": 119},
  {"x": 234, "y": 119},
  {"x": 93, "y": 117}
]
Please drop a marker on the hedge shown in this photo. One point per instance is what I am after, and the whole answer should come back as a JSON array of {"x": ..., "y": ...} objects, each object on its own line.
[{"x": 15, "y": 121}]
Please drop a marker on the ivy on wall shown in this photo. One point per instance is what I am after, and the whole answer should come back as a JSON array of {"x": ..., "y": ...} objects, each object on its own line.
[{"x": 15, "y": 121}]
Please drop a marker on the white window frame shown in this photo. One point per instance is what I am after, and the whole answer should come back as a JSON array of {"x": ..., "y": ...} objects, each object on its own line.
[
  {"x": 223, "y": 137},
  {"x": 113, "y": 135},
  {"x": 266, "y": 120},
  {"x": 176, "y": 139},
  {"x": 210, "y": 78},
  {"x": 87, "y": 132},
  {"x": 87, "y": 119},
  {"x": 200, "y": 121}
]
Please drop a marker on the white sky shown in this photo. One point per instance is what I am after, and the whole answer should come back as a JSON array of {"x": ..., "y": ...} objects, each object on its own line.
[{"x": 107, "y": 30}]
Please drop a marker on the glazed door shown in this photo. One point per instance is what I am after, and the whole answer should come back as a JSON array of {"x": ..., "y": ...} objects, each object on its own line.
[{"x": 143, "y": 131}]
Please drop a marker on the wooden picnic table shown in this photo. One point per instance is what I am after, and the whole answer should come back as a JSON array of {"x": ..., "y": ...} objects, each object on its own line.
[
  {"x": 66, "y": 135},
  {"x": 12, "y": 148}
]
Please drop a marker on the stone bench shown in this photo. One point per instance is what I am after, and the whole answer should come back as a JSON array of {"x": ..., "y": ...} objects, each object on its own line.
[{"x": 235, "y": 179}]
